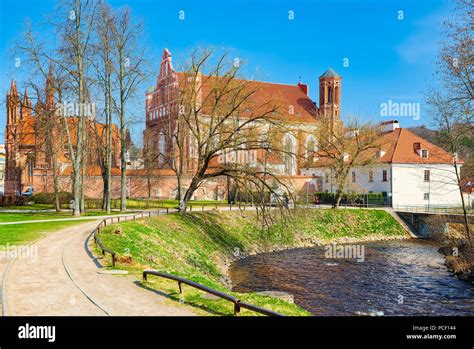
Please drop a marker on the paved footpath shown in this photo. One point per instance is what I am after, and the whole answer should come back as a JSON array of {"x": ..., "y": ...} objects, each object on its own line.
[{"x": 64, "y": 279}]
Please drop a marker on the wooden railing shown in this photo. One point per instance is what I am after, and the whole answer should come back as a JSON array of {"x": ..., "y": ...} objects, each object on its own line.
[{"x": 238, "y": 304}]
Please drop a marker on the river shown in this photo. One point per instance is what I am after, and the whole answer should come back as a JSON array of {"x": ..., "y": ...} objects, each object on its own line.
[{"x": 406, "y": 277}]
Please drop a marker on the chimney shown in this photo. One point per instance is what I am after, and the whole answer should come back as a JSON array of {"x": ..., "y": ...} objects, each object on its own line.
[
  {"x": 390, "y": 125},
  {"x": 303, "y": 88}
]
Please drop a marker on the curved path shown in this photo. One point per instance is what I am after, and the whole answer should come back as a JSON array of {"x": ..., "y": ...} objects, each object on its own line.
[{"x": 65, "y": 279}]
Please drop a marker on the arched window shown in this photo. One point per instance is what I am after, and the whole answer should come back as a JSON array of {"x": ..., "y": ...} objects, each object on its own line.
[
  {"x": 192, "y": 146},
  {"x": 161, "y": 149},
  {"x": 336, "y": 94},
  {"x": 289, "y": 150},
  {"x": 329, "y": 95},
  {"x": 311, "y": 148}
]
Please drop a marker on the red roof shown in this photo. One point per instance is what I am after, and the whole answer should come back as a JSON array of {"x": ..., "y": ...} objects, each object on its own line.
[
  {"x": 295, "y": 105},
  {"x": 401, "y": 147}
]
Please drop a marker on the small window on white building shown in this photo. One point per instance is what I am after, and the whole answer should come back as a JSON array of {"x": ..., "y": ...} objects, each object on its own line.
[
  {"x": 371, "y": 176},
  {"x": 426, "y": 196},
  {"x": 353, "y": 176},
  {"x": 424, "y": 153},
  {"x": 427, "y": 175},
  {"x": 384, "y": 176}
]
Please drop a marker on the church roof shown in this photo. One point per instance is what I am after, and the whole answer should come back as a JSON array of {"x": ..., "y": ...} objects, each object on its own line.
[
  {"x": 330, "y": 72},
  {"x": 295, "y": 105}
]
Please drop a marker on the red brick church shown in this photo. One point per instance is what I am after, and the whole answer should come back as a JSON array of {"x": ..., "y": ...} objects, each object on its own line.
[
  {"x": 27, "y": 166},
  {"x": 161, "y": 100}
]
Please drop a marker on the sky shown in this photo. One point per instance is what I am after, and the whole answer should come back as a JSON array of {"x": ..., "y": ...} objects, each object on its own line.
[{"x": 385, "y": 50}]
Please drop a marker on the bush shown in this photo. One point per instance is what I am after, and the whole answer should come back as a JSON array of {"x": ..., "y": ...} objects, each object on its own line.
[
  {"x": 352, "y": 198},
  {"x": 12, "y": 200},
  {"x": 49, "y": 198}
]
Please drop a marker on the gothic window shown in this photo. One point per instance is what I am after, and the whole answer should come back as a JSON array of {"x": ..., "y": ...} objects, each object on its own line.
[
  {"x": 30, "y": 170},
  {"x": 329, "y": 95},
  {"x": 161, "y": 149},
  {"x": 289, "y": 147},
  {"x": 311, "y": 148},
  {"x": 191, "y": 146}
]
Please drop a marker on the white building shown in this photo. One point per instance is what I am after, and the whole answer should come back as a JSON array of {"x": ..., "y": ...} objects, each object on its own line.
[{"x": 410, "y": 171}]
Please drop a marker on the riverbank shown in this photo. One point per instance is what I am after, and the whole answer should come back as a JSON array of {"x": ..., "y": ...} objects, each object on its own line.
[
  {"x": 201, "y": 246},
  {"x": 459, "y": 254}
]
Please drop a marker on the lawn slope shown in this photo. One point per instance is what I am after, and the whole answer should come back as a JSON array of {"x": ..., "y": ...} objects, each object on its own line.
[{"x": 200, "y": 245}]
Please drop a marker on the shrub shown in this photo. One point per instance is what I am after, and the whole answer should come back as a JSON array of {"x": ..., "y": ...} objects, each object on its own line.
[{"x": 49, "y": 198}]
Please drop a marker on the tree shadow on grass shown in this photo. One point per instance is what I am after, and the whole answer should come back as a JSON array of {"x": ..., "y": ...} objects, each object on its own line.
[{"x": 209, "y": 223}]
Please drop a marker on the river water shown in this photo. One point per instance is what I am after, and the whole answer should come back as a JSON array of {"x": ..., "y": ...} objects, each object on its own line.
[{"x": 396, "y": 278}]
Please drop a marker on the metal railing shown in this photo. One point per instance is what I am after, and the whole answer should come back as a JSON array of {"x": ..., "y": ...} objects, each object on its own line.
[
  {"x": 238, "y": 304},
  {"x": 432, "y": 209}
]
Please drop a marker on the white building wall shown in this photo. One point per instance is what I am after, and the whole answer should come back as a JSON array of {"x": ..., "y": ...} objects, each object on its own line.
[
  {"x": 362, "y": 183},
  {"x": 409, "y": 185},
  {"x": 405, "y": 183}
]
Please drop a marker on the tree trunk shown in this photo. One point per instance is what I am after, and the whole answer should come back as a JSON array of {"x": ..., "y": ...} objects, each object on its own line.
[
  {"x": 149, "y": 185},
  {"x": 57, "y": 203},
  {"x": 229, "y": 196},
  {"x": 465, "y": 217},
  {"x": 183, "y": 204},
  {"x": 76, "y": 193},
  {"x": 178, "y": 177},
  {"x": 123, "y": 169}
]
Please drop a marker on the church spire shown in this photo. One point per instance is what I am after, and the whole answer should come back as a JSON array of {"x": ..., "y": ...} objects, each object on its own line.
[
  {"x": 26, "y": 105},
  {"x": 13, "y": 90}
]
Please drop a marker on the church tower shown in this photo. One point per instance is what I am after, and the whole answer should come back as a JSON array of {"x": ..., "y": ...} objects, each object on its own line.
[{"x": 330, "y": 98}]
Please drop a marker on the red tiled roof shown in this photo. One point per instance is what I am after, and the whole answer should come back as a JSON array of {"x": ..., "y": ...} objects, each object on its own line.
[
  {"x": 400, "y": 145},
  {"x": 399, "y": 148},
  {"x": 295, "y": 105}
]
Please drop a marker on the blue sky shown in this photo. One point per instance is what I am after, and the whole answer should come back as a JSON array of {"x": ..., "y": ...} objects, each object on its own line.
[{"x": 389, "y": 59}]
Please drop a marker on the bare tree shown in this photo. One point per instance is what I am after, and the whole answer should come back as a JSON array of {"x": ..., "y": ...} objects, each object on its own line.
[
  {"x": 150, "y": 157},
  {"x": 223, "y": 126},
  {"x": 344, "y": 150},
  {"x": 73, "y": 24},
  {"x": 104, "y": 76},
  {"x": 452, "y": 104},
  {"x": 130, "y": 72}
]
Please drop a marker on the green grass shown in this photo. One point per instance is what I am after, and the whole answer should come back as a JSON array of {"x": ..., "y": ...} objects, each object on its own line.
[
  {"x": 19, "y": 234},
  {"x": 197, "y": 245},
  {"x": 38, "y": 216},
  {"x": 29, "y": 207},
  {"x": 156, "y": 203},
  {"x": 115, "y": 204}
]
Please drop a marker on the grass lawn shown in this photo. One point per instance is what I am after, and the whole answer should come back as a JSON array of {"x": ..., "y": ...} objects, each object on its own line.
[
  {"x": 27, "y": 216},
  {"x": 19, "y": 234},
  {"x": 131, "y": 204},
  {"x": 198, "y": 246},
  {"x": 155, "y": 203}
]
